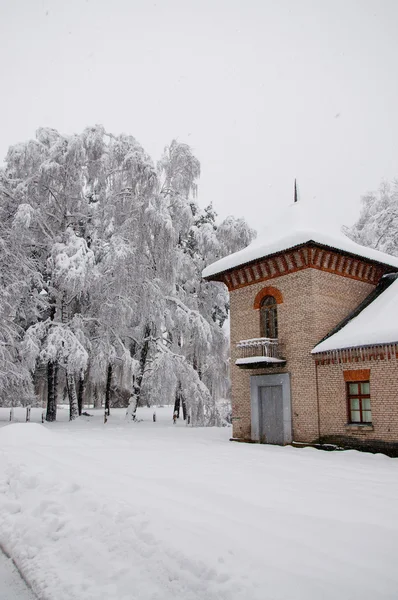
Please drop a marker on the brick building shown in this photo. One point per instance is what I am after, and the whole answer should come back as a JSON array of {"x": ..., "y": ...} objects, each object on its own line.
[{"x": 314, "y": 336}]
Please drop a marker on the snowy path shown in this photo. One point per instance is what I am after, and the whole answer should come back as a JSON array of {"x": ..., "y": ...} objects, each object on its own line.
[
  {"x": 152, "y": 511},
  {"x": 12, "y": 587}
]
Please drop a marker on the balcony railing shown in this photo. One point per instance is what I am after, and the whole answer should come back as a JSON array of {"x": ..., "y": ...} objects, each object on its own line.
[{"x": 259, "y": 352}]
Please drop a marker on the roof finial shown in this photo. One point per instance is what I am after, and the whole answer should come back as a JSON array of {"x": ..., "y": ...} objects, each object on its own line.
[{"x": 295, "y": 191}]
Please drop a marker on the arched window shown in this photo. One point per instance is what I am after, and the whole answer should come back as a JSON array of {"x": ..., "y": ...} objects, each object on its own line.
[{"x": 269, "y": 317}]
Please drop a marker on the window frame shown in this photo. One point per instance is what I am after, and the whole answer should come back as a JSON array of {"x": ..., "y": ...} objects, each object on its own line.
[
  {"x": 272, "y": 316},
  {"x": 360, "y": 396}
]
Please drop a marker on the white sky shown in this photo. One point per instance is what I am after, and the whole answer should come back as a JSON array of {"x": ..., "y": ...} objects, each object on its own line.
[{"x": 263, "y": 90}]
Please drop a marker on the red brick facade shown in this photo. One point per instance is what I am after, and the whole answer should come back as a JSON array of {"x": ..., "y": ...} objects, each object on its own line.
[
  {"x": 311, "y": 302},
  {"x": 334, "y": 427}
]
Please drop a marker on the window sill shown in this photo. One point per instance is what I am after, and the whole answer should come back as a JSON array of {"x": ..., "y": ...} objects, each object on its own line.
[{"x": 359, "y": 427}]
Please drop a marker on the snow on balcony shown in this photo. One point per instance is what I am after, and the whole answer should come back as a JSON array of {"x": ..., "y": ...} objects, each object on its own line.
[
  {"x": 258, "y": 352},
  {"x": 258, "y": 359}
]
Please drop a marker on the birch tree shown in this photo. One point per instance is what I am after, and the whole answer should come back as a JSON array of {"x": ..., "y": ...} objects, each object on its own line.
[
  {"x": 377, "y": 225},
  {"x": 20, "y": 302},
  {"x": 117, "y": 244}
]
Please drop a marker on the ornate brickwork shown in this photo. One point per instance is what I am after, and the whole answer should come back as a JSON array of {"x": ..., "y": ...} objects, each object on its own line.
[
  {"x": 304, "y": 257},
  {"x": 268, "y": 291},
  {"x": 355, "y": 355},
  {"x": 357, "y": 375}
]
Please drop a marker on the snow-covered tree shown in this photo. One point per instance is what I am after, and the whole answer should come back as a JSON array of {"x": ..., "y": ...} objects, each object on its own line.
[
  {"x": 377, "y": 225},
  {"x": 20, "y": 300},
  {"x": 52, "y": 343},
  {"x": 117, "y": 247},
  {"x": 45, "y": 177}
]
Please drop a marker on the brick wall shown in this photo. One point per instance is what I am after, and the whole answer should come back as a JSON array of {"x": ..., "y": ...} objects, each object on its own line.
[
  {"x": 383, "y": 401},
  {"x": 314, "y": 302}
]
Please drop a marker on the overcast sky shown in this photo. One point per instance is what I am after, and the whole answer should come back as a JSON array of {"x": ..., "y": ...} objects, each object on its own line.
[{"x": 263, "y": 90}]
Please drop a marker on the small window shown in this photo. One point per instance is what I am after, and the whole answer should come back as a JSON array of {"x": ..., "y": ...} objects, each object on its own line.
[
  {"x": 358, "y": 395},
  {"x": 269, "y": 318}
]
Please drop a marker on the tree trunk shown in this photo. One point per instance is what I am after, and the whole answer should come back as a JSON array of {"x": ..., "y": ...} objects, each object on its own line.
[
  {"x": 180, "y": 403},
  {"x": 73, "y": 409},
  {"x": 51, "y": 413},
  {"x": 80, "y": 393},
  {"x": 142, "y": 361},
  {"x": 97, "y": 400},
  {"x": 131, "y": 413},
  {"x": 56, "y": 372},
  {"x": 52, "y": 376},
  {"x": 64, "y": 309},
  {"x": 108, "y": 390},
  {"x": 184, "y": 408},
  {"x": 177, "y": 404},
  {"x": 196, "y": 366}
]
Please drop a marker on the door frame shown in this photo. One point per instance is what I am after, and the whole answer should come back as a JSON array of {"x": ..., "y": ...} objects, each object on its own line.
[{"x": 257, "y": 381}]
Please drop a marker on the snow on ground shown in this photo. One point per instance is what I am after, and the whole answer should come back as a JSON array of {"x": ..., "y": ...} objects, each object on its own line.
[
  {"x": 153, "y": 511},
  {"x": 12, "y": 587},
  {"x": 37, "y": 414}
]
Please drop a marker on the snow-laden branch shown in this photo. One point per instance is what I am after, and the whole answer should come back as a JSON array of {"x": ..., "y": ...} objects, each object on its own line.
[{"x": 119, "y": 247}]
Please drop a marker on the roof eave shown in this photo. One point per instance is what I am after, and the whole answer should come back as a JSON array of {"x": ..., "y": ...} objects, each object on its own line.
[
  {"x": 358, "y": 347},
  {"x": 219, "y": 276}
]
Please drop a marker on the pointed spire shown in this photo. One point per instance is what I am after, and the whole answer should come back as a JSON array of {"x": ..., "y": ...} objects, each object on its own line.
[{"x": 295, "y": 191}]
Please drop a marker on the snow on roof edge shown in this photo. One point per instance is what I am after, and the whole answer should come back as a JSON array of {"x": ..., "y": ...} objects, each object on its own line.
[
  {"x": 212, "y": 270},
  {"x": 299, "y": 223},
  {"x": 349, "y": 347},
  {"x": 376, "y": 324}
]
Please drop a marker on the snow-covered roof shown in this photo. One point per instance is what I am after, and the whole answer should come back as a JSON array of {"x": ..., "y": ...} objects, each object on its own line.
[
  {"x": 298, "y": 224},
  {"x": 374, "y": 325}
]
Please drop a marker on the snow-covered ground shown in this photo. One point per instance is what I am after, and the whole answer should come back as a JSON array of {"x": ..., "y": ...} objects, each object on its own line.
[
  {"x": 36, "y": 414},
  {"x": 12, "y": 587},
  {"x": 153, "y": 511}
]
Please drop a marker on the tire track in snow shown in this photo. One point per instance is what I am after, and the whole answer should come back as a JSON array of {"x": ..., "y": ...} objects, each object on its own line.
[
  {"x": 12, "y": 584},
  {"x": 137, "y": 560}
]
